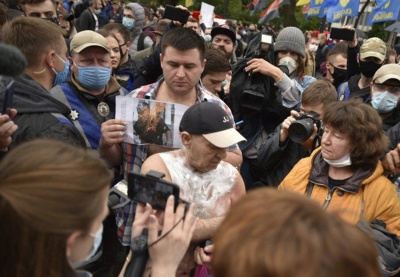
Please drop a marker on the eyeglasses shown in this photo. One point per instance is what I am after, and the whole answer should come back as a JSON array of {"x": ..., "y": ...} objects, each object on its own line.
[{"x": 395, "y": 89}]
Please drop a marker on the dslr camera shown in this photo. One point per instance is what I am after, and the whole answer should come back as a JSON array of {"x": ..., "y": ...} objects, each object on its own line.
[{"x": 303, "y": 127}]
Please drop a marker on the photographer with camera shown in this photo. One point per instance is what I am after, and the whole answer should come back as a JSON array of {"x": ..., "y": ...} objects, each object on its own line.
[
  {"x": 297, "y": 136},
  {"x": 345, "y": 175}
]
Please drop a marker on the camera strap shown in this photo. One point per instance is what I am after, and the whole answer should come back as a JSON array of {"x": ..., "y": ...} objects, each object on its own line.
[{"x": 316, "y": 142}]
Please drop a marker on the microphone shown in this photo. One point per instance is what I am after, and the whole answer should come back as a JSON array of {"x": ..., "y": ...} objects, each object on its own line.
[
  {"x": 140, "y": 255},
  {"x": 12, "y": 61}
]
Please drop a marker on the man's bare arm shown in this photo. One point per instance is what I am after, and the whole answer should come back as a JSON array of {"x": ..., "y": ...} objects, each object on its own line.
[
  {"x": 234, "y": 158},
  {"x": 205, "y": 228}
]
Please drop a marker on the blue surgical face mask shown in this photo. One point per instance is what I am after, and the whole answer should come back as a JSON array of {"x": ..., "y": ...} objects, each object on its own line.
[
  {"x": 98, "y": 237},
  {"x": 384, "y": 102},
  {"x": 63, "y": 75},
  {"x": 93, "y": 77},
  {"x": 129, "y": 23}
]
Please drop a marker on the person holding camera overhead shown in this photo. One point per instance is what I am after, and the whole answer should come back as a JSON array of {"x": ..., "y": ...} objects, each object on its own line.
[
  {"x": 345, "y": 175},
  {"x": 288, "y": 73},
  {"x": 287, "y": 145}
]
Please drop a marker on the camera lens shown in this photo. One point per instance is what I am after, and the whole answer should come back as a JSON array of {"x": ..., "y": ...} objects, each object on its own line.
[
  {"x": 284, "y": 69},
  {"x": 301, "y": 130}
]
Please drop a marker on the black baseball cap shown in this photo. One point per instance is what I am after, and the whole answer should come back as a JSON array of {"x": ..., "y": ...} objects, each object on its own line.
[
  {"x": 224, "y": 30},
  {"x": 212, "y": 122}
]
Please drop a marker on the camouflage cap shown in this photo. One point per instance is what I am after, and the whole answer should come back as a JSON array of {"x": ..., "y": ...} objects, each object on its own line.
[{"x": 373, "y": 47}]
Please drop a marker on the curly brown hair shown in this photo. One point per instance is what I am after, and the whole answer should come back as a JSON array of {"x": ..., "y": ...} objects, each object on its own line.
[{"x": 361, "y": 122}]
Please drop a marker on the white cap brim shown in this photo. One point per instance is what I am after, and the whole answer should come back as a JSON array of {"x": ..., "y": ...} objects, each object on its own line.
[
  {"x": 386, "y": 77},
  {"x": 224, "y": 139}
]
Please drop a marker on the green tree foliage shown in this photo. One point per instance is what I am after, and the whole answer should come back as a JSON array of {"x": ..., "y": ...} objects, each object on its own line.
[
  {"x": 378, "y": 30},
  {"x": 290, "y": 15}
]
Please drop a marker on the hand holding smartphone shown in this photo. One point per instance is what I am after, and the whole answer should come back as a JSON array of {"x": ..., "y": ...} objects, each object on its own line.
[
  {"x": 153, "y": 190},
  {"x": 176, "y": 14},
  {"x": 342, "y": 34}
]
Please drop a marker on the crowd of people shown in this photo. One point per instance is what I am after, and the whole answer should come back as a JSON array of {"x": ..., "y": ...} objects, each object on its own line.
[{"x": 289, "y": 146}]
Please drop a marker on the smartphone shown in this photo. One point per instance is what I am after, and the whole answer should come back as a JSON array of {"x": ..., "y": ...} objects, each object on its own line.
[
  {"x": 146, "y": 189},
  {"x": 267, "y": 39},
  {"x": 8, "y": 98},
  {"x": 342, "y": 34},
  {"x": 176, "y": 14}
]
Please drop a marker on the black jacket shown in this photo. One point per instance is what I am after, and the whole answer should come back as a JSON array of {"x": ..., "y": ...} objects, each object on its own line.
[
  {"x": 277, "y": 160},
  {"x": 356, "y": 92},
  {"x": 86, "y": 21},
  {"x": 36, "y": 117},
  {"x": 352, "y": 64},
  {"x": 320, "y": 55}
]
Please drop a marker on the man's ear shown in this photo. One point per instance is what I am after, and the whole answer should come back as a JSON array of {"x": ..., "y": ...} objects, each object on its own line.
[
  {"x": 50, "y": 56},
  {"x": 203, "y": 65},
  {"x": 71, "y": 63},
  {"x": 186, "y": 139}
]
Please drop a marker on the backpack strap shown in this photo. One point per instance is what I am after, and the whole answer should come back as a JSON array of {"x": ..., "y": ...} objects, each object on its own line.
[
  {"x": 62, "y": 118},
  {"x": 140, "y": 45},
  {"x": 325, "y": 49},
  {"x": 342, "y": 92},
  {"x": 81, "y": 116}
]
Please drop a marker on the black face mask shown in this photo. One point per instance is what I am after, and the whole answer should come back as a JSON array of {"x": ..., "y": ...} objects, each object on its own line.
[
  {"x": 52, "y": 19},
  {"x": 120, "y": 50},
  {"x": 368, "y": 69},
  {"x": 339, "y": 74}
]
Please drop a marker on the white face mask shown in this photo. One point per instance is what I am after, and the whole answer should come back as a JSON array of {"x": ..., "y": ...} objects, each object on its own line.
[
  {"x": 289, "y": 63},
  {"x": 342, "y": 162},
  {"x": 313, "y": 48},
  {"x": 97, "y": 239}
]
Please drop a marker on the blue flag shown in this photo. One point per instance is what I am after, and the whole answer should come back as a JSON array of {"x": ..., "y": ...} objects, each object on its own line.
[
  {"x": 320, "y": 7},
  {"x": 386, "y": 10},
  {"x": 326, "y": 6},
  {"x": 342, "y": 8},
  {"x": 315, "y": 7}
]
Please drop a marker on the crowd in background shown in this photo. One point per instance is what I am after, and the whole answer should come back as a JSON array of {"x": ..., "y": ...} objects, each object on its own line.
[{"x": 274, "y": 118}]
